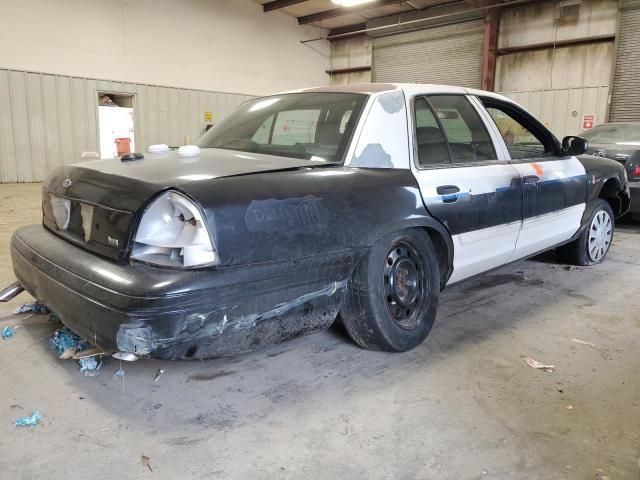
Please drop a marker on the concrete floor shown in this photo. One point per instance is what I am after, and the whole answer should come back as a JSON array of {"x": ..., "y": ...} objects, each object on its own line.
[{"x": 464, "y": 405}]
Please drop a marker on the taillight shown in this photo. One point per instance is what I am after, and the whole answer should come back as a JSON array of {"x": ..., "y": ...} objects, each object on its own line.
[{"x": 636, "y": 172}]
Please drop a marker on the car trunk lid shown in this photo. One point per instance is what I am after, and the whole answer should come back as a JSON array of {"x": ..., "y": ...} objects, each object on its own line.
[{"x": 94, "y": 204}]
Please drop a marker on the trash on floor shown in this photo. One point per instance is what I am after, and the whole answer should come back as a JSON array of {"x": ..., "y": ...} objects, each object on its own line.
[
  {"x": 70, "y": 345},
  {"x": 125, "y": 356},
  {"x": 159, "y": 373},
  {"x": 68, "y": 353},
  {"x": 64, "y": 338},
  {"x": 540, "y": 366},
  {"x": 119, "y": 373},
  {"x": 582, "y": 342},
  {"x": 7, "y": 332},
  {"x": 34, "y": 419},
  {"x": 145, "y": 462},
  {"x": 90, "y": 366},
  {"x": 89, "y": 352},
  {"x": 36, "y": 307}
]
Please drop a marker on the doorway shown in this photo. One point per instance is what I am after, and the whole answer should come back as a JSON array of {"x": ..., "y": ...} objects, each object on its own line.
[{"x": 116, "y": 124}]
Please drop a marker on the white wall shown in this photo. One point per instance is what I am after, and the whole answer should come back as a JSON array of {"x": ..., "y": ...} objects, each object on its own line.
[{"x": 222, "y": 45}]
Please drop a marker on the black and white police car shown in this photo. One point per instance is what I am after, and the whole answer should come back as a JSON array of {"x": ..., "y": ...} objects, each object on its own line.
[{"x": 364, "y": 200}]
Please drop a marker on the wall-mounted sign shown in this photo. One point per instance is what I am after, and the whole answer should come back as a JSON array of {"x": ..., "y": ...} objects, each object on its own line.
[
  {"x": 588, "y": 121},
  {"x": 208, "y": 117}
]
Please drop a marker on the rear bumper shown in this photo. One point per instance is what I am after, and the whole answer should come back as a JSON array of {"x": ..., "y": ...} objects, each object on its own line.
[{"x": 174, "y": 314}]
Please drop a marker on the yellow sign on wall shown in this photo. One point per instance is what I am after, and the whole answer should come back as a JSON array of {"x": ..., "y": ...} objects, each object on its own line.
[{"x": 208, "y": 117}]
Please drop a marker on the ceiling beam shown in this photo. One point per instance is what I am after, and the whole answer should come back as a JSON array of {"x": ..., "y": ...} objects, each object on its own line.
[
  {"x": 277, "y": 4},
  {"x": 338, "y": 12},
  {"x": 481, "y": 3},
  {"x": 347, "y": 29}
]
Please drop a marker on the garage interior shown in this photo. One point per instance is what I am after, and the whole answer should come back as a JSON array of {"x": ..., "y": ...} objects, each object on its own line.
[{"x": 91, "y": 80}]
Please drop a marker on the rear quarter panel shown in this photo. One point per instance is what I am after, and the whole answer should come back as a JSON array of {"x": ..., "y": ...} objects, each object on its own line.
[{"x": 287, "y": 215}]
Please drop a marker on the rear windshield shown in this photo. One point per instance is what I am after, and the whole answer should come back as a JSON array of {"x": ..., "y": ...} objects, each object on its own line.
[
  {"x": 621, "y": 134},
  {"x": 310, "y": 126}
]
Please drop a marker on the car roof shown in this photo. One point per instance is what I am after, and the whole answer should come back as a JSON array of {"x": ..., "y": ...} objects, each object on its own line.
[{"x": 410, "y": 89}]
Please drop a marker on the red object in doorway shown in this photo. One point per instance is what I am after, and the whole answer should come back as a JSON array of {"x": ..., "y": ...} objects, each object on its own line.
[{"x": 123, "y": 146}]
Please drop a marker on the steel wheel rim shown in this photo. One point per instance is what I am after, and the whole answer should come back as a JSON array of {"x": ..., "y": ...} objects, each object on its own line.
[
  {"x": 404, "y": 283},
  {"x": 600, "y": 235}
]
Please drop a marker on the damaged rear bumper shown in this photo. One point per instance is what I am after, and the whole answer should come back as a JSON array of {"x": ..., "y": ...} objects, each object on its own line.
[{"x": 166, "y": 313}]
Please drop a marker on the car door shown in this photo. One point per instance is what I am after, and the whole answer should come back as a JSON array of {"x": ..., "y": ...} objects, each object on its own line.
[
  {"x": 553, "y": 187},
  {"x": 464, "y": 183}
]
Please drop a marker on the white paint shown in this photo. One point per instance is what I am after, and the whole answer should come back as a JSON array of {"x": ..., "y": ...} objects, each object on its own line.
[
  {"x": 483, "y": 250},
  {"x": 189, "y": 151},
  {"x": 546, "y": 231},
  {"x": 222, "y": 45},
  {"x": 382, "y": 142},
  {"x": 159, "y": 148}
]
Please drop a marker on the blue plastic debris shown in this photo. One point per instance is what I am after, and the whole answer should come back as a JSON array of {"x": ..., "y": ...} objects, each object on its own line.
[
  {"x": 64, "y": 338},
  {"x": 119, "y": 373},
  {"x": 36, "y": 307},
  {"x": 89, "y": 366},
  {"x": 34, "y": 419},
  {"x": 7, "y": 332}
]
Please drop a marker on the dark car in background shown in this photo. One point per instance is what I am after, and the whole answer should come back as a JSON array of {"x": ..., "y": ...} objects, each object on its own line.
[{"x": 621, "y": 142}]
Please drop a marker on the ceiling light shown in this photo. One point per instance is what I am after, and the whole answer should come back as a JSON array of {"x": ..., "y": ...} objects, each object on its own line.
[{"x": 351, "y": 3}]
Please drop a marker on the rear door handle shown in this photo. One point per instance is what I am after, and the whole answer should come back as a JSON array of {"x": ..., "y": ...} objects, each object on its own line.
[
  {"x": 449, "y": 193},
  {"x": 530, "y": 179},
  {"x": 447, "y": 189}
]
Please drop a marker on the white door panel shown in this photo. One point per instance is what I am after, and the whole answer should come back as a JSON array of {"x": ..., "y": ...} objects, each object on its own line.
[
  {"x": 548, "y": 230},
  {"x": 561, "y": 183},
  {"x": 482, "y": 250}
]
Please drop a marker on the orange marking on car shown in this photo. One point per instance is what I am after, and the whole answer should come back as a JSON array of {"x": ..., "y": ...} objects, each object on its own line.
[{"x": 538, "y": 169}]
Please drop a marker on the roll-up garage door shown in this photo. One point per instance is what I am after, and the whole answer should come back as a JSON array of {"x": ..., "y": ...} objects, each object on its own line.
[
  {"x": 625, "y": 99},
  {"x": 451, "y": 55}
]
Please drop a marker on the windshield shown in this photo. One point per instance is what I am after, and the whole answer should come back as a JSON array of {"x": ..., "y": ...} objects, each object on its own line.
[
  {"x": 621, "y": 133},
  {"x": 311, "y": 126}
]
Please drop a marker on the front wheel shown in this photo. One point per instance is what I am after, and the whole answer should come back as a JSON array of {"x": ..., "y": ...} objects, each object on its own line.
[
  {"x": 592, "y": 246},
  {"x": 392, "y": 298}
]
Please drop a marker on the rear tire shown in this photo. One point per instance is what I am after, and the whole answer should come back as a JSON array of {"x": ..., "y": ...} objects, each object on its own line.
[
  {"x": 392, "y": 298},
  {"x": 592, "y": 246}
]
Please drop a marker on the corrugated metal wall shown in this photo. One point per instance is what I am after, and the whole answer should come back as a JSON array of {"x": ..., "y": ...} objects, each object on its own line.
[
  {"x": 49, "y": 120},
  {"x": 562, "y": 110},
  {"x": 625, "y": 99},
  {"x": 450, "y": 54}
]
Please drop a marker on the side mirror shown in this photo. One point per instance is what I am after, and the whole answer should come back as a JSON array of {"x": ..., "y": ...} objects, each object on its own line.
[{"x": 574, "y": 145}]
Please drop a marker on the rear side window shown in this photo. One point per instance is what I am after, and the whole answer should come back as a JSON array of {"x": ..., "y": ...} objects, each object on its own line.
[
  {"x": 432, "y": 146},
  {"x": 468, "y": 139},
  {"x": 448, "y": 129}
]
